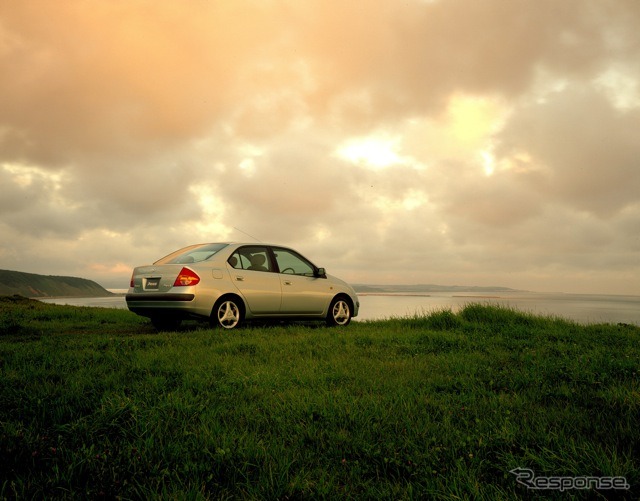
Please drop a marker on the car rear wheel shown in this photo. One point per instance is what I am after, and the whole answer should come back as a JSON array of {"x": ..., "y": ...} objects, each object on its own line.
[
  {"x": 227, "y": 314},
  {"x": 339, "y": 312}
]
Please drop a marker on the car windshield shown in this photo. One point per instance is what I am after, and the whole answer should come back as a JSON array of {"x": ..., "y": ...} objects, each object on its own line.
[{"x": 192, "y": 254}]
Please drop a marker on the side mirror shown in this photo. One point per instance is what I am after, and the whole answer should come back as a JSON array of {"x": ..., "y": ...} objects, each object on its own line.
[{"x": 321, "y": 273}]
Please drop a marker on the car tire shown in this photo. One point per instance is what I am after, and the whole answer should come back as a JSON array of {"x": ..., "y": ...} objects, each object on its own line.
[
  {"x": 165, "y": 323},
  {"x": 227, "y": 314},
  {"x": 339, "y": 313}
]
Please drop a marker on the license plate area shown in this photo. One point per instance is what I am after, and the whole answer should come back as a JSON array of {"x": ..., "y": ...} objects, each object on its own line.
[{"x": 151, "y": 284}]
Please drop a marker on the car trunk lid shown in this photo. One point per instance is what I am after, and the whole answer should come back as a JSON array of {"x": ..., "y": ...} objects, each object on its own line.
[{"x": 150, "y": 279}]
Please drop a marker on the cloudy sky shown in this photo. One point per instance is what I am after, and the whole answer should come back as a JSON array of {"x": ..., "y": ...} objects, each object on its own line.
[{"x": 492, "y": 142}]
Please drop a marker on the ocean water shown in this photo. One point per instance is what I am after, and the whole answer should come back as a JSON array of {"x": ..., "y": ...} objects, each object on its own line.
[{"x": 582, "y": 308}]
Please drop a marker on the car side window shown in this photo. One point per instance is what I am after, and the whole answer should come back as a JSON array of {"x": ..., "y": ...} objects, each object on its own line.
[
  {"x": 255, "y": 258},
  {"x": 290, "y": 262}
]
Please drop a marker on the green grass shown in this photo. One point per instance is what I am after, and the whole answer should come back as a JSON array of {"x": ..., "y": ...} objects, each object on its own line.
[{"x": 95, "y": 404}]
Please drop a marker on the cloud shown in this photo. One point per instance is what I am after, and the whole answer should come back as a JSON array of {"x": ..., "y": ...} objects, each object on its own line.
[
  {"x": 449, "y": 141},
  {"x": 584, "y": 149}
]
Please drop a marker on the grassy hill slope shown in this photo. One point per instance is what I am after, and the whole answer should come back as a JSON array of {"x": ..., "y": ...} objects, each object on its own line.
[
  {"x": 32, "y": 285},
  {"x": 95, "y": 404}
]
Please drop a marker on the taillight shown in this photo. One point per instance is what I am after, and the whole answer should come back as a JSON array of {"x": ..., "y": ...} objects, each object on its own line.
[
  {"x": 131, "y": 283},
  {"x": 186, "y": 277}
]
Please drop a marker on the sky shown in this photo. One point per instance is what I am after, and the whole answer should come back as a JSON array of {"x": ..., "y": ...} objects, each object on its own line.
[{"x": 451, "y": 142}]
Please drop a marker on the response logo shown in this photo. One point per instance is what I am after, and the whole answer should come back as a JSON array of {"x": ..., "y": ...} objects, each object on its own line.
[{"x": 527, "y": 477}]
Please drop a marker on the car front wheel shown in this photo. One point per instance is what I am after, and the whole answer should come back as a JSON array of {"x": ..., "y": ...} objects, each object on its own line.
[
  {"x": 227, "y": 314},
  {"x": 339, "y": 312}
]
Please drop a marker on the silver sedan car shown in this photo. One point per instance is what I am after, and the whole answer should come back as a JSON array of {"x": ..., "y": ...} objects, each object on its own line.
[{"x": 228, "y": 283}]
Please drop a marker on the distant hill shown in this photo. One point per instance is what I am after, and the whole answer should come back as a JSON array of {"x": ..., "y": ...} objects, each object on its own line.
[
  {"x": 426, "y": 288},
  {"x": 32, "y": 285}
]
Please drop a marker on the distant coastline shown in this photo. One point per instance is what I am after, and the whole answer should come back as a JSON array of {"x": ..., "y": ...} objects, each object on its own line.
[
  {"x": 409, "y": 294},
  {"x": 427, "y": 289},
  {"x": 32, "y": 285},
  {"x": 477, "y": 296}
]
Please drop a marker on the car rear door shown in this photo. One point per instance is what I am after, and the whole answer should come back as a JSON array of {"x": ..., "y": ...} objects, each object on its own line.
[{"x": 253, "y": 275}]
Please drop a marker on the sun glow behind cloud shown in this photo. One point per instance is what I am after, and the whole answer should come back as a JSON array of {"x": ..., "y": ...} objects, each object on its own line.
[
  {"x": 471, "y": 119},
  {"x": 488, "y": 162},
  {"x": 375, "y": 152},
  {"x": 213, "y": 212}
]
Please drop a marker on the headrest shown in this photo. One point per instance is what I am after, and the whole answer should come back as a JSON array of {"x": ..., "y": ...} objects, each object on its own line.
[{"x": 258, "y": 259}]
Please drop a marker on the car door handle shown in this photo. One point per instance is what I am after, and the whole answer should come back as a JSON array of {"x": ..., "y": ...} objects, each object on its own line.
[
  {"x": 239, "y": 278},
  {"x": 287, "y": 282}
]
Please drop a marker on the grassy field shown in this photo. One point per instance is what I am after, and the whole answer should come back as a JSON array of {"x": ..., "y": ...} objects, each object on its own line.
[{"x": 95, "y": 404}]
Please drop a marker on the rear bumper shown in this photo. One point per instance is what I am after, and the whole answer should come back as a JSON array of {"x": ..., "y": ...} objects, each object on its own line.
[
  {"x": 150, "y": 305},
  {"x": 145, "y": 298}
]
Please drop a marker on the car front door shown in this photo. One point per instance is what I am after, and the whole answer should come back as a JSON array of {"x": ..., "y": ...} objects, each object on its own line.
[
  {"x": 303, "y": 293},
  {"x": 253, "y": 274}
]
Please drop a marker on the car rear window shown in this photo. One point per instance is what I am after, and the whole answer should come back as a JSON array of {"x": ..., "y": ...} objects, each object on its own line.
[{"x": 192, "y": 254}]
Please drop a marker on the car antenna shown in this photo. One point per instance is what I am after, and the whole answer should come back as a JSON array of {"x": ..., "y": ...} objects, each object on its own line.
[{"x": 258, "y": 240}]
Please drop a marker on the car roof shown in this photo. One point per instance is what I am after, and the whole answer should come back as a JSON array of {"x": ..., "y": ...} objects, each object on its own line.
[{"x": 239, "y": 244}]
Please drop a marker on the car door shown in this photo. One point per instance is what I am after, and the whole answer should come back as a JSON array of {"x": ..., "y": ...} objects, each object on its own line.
[
  {"x": 303, "y": 293},
  {"x": 253, "y": 274}
]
